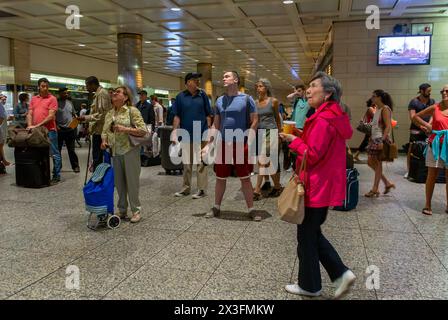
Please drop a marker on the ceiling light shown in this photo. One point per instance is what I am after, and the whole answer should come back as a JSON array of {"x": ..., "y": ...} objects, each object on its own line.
[
  {"x": 268, "y": 70},
  {"x": 81, "y": 45},
  {"x": 220, "y": 39},
  {"x": 251, "y": 59},
  {"x": 176, "y": 9},
  {"x": 147, "y": 41},
  {"x": 183, "y": 72},
  {"x": 288, "y": 2},
  {"x": 145, "y": 62},
  {"x": 238, "y": 50},
  {"x": 196, "y": 60},
  {"x": 79, "y": 16},
  {"x": 260, "y": 65}
]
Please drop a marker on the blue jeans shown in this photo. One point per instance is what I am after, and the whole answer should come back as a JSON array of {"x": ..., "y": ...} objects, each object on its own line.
[{"x": 54, "y": 151}]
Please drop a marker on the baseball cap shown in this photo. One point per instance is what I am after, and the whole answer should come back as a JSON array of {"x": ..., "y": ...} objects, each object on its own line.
[
  {"x": 424, "y": 86},
  {"x": 192, "y": 75},
  {"x": 143, "y": 92}
]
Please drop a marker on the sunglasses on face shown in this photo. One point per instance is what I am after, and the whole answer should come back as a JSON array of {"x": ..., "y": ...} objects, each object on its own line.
[{"x": 444, "y": 91}]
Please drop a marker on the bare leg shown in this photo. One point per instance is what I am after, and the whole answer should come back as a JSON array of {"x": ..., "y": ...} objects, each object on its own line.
[
  {"x": 430, "y": 184},
  {"x": 220, "y": 188},
  {"x": 246, "y": 187},
  {"x": 2, "y": 156},
  {"x": 276, "y": 179}
]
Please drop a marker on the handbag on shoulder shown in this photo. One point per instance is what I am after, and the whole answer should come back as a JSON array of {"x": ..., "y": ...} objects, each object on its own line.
[
  {"x": 136, "y": 141},
  {"x": 291, "y": 202}
]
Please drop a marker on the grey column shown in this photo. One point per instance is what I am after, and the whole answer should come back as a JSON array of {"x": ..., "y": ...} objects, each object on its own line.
[
  {"x": 206, "y": 80},
  {"x": 130, "y": 71}
]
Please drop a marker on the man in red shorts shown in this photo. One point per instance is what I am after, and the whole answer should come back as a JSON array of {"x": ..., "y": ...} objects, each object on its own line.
[{"x": 235, "y": 113}]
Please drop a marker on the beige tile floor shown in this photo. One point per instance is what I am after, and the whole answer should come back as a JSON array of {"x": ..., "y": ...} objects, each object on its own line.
[{"x": 175, "y": 253}]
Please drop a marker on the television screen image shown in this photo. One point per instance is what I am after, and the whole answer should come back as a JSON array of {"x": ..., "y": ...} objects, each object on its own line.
[{"x": 402, "y": 50}]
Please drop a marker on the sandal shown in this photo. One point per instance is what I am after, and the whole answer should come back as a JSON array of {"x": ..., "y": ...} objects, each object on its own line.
[
  {"x": 257, "y": 196},
  {"x": 427, "y": 211},
  {"x": 372, "y": 194},
  {"x": 387, "y": 190}
]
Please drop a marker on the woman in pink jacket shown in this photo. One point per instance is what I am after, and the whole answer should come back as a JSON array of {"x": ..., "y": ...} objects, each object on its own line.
[{"x": 324, "y": 140}]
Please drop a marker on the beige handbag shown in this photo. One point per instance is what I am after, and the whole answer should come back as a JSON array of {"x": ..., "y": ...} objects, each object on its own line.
[{"x": 291, "y": 203}]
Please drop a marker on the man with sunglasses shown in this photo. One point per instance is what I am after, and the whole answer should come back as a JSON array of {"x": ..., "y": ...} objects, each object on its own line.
[{"x": 417, "y": 104}]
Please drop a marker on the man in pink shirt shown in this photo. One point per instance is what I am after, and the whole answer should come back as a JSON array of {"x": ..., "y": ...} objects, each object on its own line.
[{"x": 42, "y": 112}]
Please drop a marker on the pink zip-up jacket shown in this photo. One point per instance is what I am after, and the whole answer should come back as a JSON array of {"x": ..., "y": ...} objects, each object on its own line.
[{"x": 324, "y": 137}]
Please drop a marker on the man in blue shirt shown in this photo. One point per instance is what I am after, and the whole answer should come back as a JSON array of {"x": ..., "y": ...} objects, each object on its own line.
[
  {"x": 146, "y": 109},
  {"x": 235, "y": 113},
  {"x": 192, "y": 110}
]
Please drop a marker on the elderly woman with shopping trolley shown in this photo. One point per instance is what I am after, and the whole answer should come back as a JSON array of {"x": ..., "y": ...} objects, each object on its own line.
[{"x": 121, "y": 123}]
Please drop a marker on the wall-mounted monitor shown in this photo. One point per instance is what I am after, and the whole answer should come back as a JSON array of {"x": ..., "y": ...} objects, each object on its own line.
[{"x": 403, "y": 50}]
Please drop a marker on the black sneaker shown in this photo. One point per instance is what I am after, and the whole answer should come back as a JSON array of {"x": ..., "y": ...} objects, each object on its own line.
[
  {"x": 266, "y": 186},
  {"x": 77, "y": 170},
  {"x": 55, "y": 180}
]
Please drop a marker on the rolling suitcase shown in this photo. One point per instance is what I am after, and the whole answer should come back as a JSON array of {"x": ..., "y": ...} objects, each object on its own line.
[
  {"x": 417, "y": 167},
  {"x": 167, "y": 164},
  {"x": 352, "y": 193},
  {"x": 32, "y": 167}
]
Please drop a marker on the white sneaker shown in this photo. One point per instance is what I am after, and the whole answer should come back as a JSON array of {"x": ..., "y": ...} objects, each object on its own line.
[
  {"x": 182, "y": 193},
  {"x": 214, "y": 212},
  {"x": 289, "y": 170},
  {"x": 200, "y": 194},
  {"x": 295, "y": 289},
  {"x": 405, "y": 175},
  {"x": 344, "y": 283}
]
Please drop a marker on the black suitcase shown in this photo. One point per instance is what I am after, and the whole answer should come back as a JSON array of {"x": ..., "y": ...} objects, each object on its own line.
[
  {"x": 32, "y": 167},
  {"x": 149, "y": 161},
  {"x": 417, "y": 167},
  {"x": 165, "y": 134}
]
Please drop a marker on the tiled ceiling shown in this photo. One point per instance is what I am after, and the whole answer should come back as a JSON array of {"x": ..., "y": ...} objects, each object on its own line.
[{"x": 268, "y": 34}]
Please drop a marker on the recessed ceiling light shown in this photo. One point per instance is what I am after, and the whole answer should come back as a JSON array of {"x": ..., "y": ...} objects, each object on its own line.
[
  {"x": 260, "y": 65},
  {"x": 81, "y": 45},
  {"x": 183, "y": 72},
  {"x": 251, "y": 59},
  {"x": 268, "y": 70},
  {"x": 288, "y": 2},
  {"x": 145, "y": 62},
  {"x": 238, "y": 50},
  {"x": 79, "y": 16},
  {"x": 196, "y": 60},
  {"x": 147, "y": 41},
  {"x": 176, "y": 9},
  {"x": 116, "y": 54},
  {"x": 220, "y": 39}
]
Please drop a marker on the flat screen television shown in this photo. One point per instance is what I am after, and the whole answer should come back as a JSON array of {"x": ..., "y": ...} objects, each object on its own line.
[{"x": 403, "y": 50}]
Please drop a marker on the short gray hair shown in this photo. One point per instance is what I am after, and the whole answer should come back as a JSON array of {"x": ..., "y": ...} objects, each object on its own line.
[
  {"x": 330, "y": 85},
  {"x": 267, "y": 84}
]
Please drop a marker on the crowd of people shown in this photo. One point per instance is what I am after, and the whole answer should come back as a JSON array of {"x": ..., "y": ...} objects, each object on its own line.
[{"x": 322, "y": 129}]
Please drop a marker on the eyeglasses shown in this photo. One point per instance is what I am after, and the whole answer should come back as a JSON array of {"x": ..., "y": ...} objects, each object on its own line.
[{"x": 444, "y": 91}]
